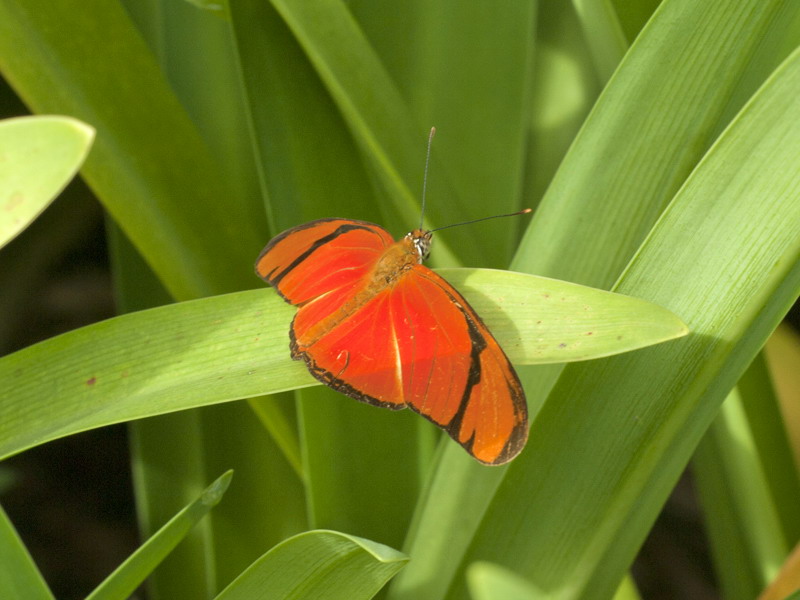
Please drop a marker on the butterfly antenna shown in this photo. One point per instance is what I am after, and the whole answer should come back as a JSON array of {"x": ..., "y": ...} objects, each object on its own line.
[
  {"x": 425, "y": 176},
  {"x": 524, "y": 211}
]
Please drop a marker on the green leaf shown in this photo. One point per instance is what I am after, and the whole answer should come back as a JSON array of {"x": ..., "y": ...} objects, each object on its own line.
[
  {"x": 318, "y": 564},
  {"x": 38, "y": 157},
  {"x": 552, "y": 321},
  {"x": 610, "y": 205},
  {"x": 748, "y": 486},
  {"x": 130, "y": 574},
  {"x": 488, "y": 581},
  {"x": 149, "y": 165},
  {"x": 290, "y": 111},
  {"x": 19, "y": 577},
  {"x": 604, "y": 34},
  {"x": 654, "y": 121},
  {"x": 624, "y": 428},
  {"x": 747, "y": 543},
  {"x": 235, "y": 346},
  {"x": 378, "y": 118},
  {"x": 455, "y": 63}
]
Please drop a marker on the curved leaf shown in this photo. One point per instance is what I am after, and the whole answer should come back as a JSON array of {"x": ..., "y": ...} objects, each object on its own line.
[
  {"x": 38, "y": 157},
  {"x": 327, "y": 565},
  {"x": 235, "y": 346}
]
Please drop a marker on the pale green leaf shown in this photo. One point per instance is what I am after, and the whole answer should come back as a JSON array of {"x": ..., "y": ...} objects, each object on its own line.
[
  {"x": 38, "y": 157},
  {"x": 325, "y": 565},
  {"x": 236, "y": 346}
]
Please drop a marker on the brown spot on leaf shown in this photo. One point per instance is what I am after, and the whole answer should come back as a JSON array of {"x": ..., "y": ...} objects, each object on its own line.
[
  {"x": 91, "y": 381},
  {"x": 14, "y": 201}
]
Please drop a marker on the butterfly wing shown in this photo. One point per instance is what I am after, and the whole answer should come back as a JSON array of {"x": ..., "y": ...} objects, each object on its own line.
[
  {"x": 457, "y": 375},
  {"x": 319, "y": 257},
  {"x": 419, "y": 343}
]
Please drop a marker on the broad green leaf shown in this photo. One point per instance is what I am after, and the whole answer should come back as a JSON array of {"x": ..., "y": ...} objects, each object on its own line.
[
  {"x": 653, "y": 122},
  {"x": 38, "y": 157},
  {"x": 235, "y": 346},
  {"x": 290, "y": 112},
  {"x": 465, "y": 68},
  {"x": 318, "y": 564},
  {"x": 130, "y": 574},
  {"x": 392, "y": 144},
  {"x": 610, "y": 204},
  {"x": 19, "y": 577},
  {"x": 149, "y": 165},
  {"x": 552, "y": 321},
  {"x": 624, "y": 428}
]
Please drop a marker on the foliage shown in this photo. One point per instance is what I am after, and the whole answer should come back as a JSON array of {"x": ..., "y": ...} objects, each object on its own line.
[{"x": 219, "y": 126}]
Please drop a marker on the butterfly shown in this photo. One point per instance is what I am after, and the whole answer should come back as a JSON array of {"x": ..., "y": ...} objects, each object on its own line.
[{"x": 375, "y": 324}]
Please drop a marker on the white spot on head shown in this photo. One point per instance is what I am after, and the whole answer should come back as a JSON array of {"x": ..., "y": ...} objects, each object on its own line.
[{"x": 422, "y": 243}]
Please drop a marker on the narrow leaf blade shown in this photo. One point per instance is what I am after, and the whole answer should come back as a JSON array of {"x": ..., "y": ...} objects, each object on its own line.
[{"x": 130, "y": 574}]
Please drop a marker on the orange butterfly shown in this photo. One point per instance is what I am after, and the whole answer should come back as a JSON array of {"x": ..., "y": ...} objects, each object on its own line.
[{"x": 375, "y": 324}]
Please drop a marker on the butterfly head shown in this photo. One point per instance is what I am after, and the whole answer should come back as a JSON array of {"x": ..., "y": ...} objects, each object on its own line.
[{"x": 421, "y": 239}]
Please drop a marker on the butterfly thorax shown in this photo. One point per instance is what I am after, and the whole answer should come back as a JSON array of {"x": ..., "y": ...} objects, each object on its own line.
[{"x": 399, "y": 257}]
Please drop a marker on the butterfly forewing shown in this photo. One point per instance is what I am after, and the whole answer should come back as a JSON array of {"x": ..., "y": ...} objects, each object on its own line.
[{"x": 317, "y": 257}]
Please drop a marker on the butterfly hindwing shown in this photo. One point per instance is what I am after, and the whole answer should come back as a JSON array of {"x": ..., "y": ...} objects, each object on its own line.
[{"x": 356, "y": 356}]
